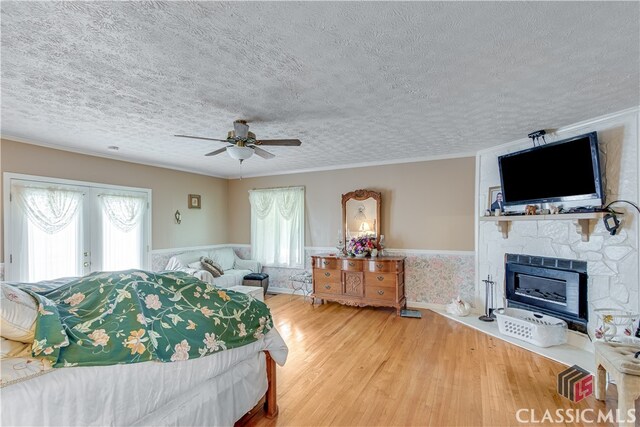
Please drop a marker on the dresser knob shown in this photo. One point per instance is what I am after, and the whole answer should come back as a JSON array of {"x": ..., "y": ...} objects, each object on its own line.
[
  {"x": 327, "y": 274},
  {"x": 380, "y": 292},
  {"x": 380, "y": 266},
  {"x": 351, "y": 264},
  {"x": 327, "y": 286},
  {"x": 380, "y": 278},
  {"x": 325, "y": 262}
]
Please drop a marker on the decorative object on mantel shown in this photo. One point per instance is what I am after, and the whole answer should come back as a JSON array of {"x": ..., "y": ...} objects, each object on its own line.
[
  {"x": 615, "y": 325},
  {"x": 194, "y": 201},
  {"x": 530, "y": 210},
  {"x": 360, "y": 247},
  {"x": 554, "y": 210},
  {"x": 458, "y": 307},
  {"x": 178, "y": 217},
  {"x": 488, "y": 301},
  {"x": 496, "y": 204}
]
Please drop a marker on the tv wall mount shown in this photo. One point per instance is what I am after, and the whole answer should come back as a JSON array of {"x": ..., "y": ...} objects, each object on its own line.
[{"x": 536, "y": 135}]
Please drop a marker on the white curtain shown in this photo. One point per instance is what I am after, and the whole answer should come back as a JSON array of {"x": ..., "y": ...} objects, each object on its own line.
[
  {"x": 48, "y": 229},
  {"x": 122, "y": 230},
  {"x": 277, "y": 226}
]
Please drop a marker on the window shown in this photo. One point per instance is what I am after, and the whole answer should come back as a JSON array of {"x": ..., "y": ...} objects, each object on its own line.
[
  {"x": 277, "y": 226},
  {"x": 63, "y": 228}
]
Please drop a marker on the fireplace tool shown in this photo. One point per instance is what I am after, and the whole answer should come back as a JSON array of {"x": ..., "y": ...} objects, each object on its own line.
[{"x": 488, "y": 300}]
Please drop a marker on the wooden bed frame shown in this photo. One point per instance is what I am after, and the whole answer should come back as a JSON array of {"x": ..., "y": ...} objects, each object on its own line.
[{"x": 268, "y": 402}]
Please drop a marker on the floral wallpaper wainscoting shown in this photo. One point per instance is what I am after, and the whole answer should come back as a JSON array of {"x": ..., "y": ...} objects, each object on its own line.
[{"x": 431, "y": 277}]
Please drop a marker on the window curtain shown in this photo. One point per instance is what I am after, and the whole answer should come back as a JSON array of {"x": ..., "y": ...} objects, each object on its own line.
[
  {"x": 122, "y": 229},
  {"x": 48, "y": 231},
  {"x": 277, "y": 226}
]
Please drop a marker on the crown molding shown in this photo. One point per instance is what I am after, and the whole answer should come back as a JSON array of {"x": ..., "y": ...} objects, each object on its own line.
[
  {"x": 361, "y": 165},
  {"x": 102, "y": 155}
]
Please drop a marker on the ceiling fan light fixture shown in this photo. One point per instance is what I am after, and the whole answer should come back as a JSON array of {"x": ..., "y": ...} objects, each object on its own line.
[{"x": 240, "y": 153}]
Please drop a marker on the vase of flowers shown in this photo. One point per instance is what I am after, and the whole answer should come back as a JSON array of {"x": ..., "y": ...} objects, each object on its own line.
[{"x": 360, "y": 247}]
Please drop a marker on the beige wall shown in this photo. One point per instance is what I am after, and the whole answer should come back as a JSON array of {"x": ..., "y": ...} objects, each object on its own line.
[
  {"x": 425, "y": 205},
  {"x": 206, "y": 226}
]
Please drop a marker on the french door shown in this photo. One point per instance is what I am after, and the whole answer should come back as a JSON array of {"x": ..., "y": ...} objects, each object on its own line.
[{"x": 64, "y": 228}]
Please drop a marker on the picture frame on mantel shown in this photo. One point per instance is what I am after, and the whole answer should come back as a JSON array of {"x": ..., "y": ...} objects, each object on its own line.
[
  {"x": 194, "y": 201},
  {"x": 493, "y": 198}
]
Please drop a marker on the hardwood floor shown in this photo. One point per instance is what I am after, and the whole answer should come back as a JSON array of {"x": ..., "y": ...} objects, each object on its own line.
[{"x": 366, "y": 367}]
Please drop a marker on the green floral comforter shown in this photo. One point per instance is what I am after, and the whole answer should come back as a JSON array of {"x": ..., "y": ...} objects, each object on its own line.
[{"x": 134, "y": 316}]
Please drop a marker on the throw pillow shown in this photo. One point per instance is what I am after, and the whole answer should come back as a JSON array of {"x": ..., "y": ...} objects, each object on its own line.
[
  {"x": 212, "y": 267},
  {"x": 18, "y": 313}
]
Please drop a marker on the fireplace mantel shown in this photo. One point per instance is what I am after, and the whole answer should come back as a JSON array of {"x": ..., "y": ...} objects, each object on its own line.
[{"x": 584, "y": 222}]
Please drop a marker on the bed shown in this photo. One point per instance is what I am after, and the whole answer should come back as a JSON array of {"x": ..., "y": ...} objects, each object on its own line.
[{"x": 216, "y": 388}]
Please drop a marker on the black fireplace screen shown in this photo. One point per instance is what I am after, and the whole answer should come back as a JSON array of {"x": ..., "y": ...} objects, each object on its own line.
[
  {"x": 553, "y": 286},
  {"x": 541, "y": 288}
]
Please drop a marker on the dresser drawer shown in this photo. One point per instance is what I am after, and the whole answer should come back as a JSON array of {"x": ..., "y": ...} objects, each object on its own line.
[
  {"x": 378, "y": 266},
  {"x": 327, "y": 264},
  {"x": 385, "y": 280},
  {"x": 328, "y": 288},
  {"x": 352, "y": 264},
  {"x": 380, "y": 293},
  {"x": 326, "y": 276}
]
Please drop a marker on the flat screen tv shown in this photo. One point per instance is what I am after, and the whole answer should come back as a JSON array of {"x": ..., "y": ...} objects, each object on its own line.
[{"x": 567, "y": 170}]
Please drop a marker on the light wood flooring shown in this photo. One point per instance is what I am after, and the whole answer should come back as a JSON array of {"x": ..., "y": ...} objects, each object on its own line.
[{"x": 366, "y": 367}]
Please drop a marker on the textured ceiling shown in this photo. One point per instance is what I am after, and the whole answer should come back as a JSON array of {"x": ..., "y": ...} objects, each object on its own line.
[{"x": 356, "y": 82}]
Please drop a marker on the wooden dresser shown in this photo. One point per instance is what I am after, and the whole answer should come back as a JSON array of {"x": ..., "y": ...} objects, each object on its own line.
[{"x": 359, "y": 281}]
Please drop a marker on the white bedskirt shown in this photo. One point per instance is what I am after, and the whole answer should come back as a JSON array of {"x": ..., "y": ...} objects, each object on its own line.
[{"x": 213, "y": 390}]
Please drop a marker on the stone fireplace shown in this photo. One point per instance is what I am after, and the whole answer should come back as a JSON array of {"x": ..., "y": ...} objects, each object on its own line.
[{"x": 612, "y": 262}]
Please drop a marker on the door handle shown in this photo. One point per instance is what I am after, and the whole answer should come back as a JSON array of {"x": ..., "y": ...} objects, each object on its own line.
[
  {"x": 327, "y": 274},
  {"x": 327, "y": 286},
  {"x": 381, "y": 292},
  {"x": 380, "y": 278},
  {"x": 86, "y": 264},
  {"x": 351, "y": 264},
  {"x": 380, "y": 266}
]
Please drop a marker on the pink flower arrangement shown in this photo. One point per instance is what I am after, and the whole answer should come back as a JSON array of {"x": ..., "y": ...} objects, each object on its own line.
[{"x": 360, "y": 245}]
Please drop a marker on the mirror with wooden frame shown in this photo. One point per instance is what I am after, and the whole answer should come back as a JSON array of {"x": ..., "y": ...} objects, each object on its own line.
[{"x": 361, "y": 214}]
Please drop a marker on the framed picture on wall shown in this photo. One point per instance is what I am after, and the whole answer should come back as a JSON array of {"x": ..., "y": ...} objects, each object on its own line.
[
  {"x": 495, "y": 199},
  {"x": 194, "y": 201}
]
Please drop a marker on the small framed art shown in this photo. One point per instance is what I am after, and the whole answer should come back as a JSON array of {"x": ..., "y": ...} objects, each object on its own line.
[
  {"x": 194, "y": 201},
  {"x": 495, "y": 199}
]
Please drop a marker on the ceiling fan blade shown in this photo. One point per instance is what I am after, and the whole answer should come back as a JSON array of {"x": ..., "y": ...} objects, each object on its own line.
[
  {"x": 262, "y": 153},
  {"x": 281, "y": 142},
  {"x": 200, "y": 137},
  {"x": 213, "y": 153},
  {"x": 241, "y": 129}
]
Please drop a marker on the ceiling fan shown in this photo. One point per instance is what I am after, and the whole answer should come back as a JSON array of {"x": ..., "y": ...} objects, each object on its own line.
[{"x": 242, "y": 143}]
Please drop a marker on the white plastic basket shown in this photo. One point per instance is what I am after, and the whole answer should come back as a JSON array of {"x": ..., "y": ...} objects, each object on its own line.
[{"x": 536, "y": 328}]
